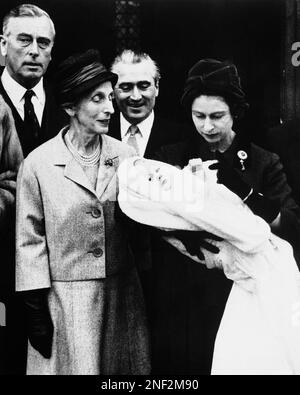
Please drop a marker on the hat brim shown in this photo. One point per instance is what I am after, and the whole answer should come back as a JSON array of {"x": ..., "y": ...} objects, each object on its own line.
[{"x": 86, "y": 86}]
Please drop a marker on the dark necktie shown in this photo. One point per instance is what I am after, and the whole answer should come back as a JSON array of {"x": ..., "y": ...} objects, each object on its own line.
[
  {"x": 30, "y": 139},
  {"x": 132, "y": 131}
]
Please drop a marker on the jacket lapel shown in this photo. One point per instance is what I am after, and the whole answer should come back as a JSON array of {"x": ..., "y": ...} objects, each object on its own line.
[
  {"x": 17, "y": 116},
  {"x": 114, "y": 126},
  {"x": 73, "y": 171},
  {"x": 109, "y": 161},
  {"x": 154, "y": 139}
]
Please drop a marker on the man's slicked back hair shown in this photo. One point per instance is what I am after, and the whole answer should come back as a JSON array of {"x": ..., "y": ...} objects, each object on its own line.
[
  {"x": 24, "y": 10},
  {"x": 131, "y": 57}
]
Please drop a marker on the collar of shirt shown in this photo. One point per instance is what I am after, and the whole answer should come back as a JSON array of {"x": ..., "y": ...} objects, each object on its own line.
[
  {"x": 144, "y": 127},
  {"x": 16, "y": 93}
]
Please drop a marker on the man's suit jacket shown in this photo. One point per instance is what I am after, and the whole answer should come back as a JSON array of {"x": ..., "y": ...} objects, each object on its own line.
[
  {"x": 54, "y": 118},
  {"x": 284, "y": 140},
  {"x": 163, "y": 132}
]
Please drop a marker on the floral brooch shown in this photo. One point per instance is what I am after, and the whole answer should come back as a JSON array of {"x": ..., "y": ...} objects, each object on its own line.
[
  {"x": 110, "y": 161},
  {"x": 242, "y": 155}
]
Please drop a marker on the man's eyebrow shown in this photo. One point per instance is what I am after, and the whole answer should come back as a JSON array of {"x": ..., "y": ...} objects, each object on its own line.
[
  {"x": 44, "y": 38},
  {"x": 24, "y": 34},
  {"x": 29, "y": 35}
]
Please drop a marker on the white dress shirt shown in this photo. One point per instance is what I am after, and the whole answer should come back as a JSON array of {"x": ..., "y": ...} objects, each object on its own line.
[
  {"x": 16, "y": 94},
  {"x": 142, "y": 138}
]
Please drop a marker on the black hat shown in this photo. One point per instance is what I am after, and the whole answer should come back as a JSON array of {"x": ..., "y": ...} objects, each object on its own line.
[
  {"x": 216, "y": 78},
  {"x": 79, "y": 74}
]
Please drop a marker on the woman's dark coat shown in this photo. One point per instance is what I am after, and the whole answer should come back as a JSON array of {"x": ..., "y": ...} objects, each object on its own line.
[{"x": 188, "y": 300}]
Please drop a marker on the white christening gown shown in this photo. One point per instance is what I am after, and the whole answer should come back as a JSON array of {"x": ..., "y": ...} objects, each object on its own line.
[{"x": 260, "y": 329}]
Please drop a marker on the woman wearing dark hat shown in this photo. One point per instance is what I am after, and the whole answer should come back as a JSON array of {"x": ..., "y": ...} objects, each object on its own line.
[
  {"x": 85, "y": 310},
  {"x": 189, "y": 299}
]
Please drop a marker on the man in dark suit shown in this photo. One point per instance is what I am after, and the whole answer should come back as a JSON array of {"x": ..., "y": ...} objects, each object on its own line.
[
  {"x": 26, "y": 44},
  {"x": 137, "y": 125},
  {"x": 135, "y": 93}
]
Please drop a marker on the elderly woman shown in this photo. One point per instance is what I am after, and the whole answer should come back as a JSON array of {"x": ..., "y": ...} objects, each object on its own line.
[
  {"x": 189, "y": 299},
  {"x": 75, "y": 271}
]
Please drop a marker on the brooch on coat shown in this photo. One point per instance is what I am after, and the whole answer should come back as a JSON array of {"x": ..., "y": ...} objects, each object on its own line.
[
  {"x": 110, "y": 161},
  {"x": 242, "y": 155}
]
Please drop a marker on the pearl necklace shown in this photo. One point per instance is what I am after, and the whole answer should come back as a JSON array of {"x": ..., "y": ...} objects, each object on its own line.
[{"x": 84, "y": 160}]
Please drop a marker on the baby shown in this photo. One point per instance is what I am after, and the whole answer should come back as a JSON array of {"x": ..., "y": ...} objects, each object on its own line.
[{"x": 257, "y": 334}]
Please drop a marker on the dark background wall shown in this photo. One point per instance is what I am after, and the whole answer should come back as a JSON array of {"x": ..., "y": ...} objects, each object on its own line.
[
  {"x": 177, "y": 33},
  {"x": 247, "y": 32}
]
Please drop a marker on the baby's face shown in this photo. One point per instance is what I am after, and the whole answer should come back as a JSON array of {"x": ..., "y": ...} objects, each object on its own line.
[
  {"x": 143, "y": 167},
  {"x": 153, "y": 172}
]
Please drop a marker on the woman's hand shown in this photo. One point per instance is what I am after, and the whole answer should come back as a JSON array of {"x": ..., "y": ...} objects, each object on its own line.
[
  {"x": 196, "y": 241},
  {"x": 229, "y": 177},
  {"x": 8, "y": 175},
  {"x": 264, "y": 207},
  {"x": 39, "y": 323},
  {"x": 8, "y": 181},
  {"x": 8, "y": 185}
]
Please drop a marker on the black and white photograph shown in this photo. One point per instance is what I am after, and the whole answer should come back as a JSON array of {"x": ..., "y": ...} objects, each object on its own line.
[{"x": 150, "y": 190}]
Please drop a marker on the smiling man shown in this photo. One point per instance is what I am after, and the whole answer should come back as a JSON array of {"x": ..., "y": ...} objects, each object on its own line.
[
  {"x": 26, "y": 44},
  {"x": 136, "y": 92},
  {"x": 138, "y": 125}
]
